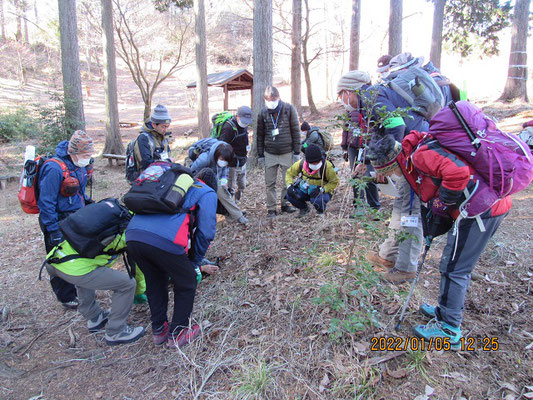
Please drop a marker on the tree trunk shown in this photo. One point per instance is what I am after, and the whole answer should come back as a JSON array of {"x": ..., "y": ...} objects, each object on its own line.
[
  {"x": 147, "y": 107},
  {"x": 262, "y": 62},
  {"x": 436, "y": 36},
  {"x": 296, "y": 53},
  {"x": 395, "y": 27},
  {"x": 36, "y": 12},
  {"x": 70, "y": 64},
  {"x": 18, "y": 34},
  {"x": 2, "y": 20},
  {"x": 306, "y": 63},
  {"x": 516, "y": 86},
  {"x": 201, "y": 69},
  {"x": 326, "y": 46},
  {"x": 26, "y": 35},
  {"x": 354, "y": 35},
  {"x": 113, "y": 141}
]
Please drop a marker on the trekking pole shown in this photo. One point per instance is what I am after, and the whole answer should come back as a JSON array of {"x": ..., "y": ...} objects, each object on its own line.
[
  {"x": 464, "y": 124},
  {"x": 419, "y": 268}
]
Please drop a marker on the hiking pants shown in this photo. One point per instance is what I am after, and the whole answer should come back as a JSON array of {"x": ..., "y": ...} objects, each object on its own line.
[
  {"x": 237, "y": 175},
  {"x": 371, "y": 190},
  {"x": 157, "y": 266},
  {"x": 404, "y": 252},
  {"x": 455, "y": 271},
  {"x": 63, "y": 290},
  {"x": 104, "y": 278},
  {"x": 228, "y": 202},
  {"x": 319, "y": 202},
  {"x": 273, "y": 163}
]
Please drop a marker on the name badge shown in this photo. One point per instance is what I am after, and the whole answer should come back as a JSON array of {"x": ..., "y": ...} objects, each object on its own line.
[
  {"x": 275, "y": 132},
  {"x": 409, "y": 221},
  {"x": 360, "y": 155}
]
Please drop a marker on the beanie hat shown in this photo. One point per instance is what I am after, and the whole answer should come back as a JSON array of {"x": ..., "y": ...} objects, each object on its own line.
[
  {"x": 208, "y": 176},
  {"x": 305, "y": 127},
  {"x": 80, "y": 143},
  {"x": 160, "y": 115},
  {"x": 313, "y": 154},
  {"x": 383, "y": 63},
  {"x": 405, "y": 60},
  {"x": 384, "y": 153},
  {"x": 352, "y": 81}
]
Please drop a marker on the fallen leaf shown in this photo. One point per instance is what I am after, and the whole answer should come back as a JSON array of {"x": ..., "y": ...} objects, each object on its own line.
[
  {"x": 323, "y": 383},
  {"x": 528, "y": 395},
  {"x": 255, "y": 332},
  {"x": 362, "y": 347},
  {"x": 508, "y": 386},
  {"x": 510, "y": 396},
  {"x": 399, "y": 373},
  {"x": 429, "y": 390},
  {"x": 206, "y": 324}
]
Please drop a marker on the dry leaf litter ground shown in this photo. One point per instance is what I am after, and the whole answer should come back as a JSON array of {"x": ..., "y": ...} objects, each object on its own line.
[{"x": 268, "y": 326}]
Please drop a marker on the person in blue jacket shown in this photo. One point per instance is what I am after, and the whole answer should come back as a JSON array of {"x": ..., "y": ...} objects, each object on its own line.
[
  {"x": 217, "y": 159},
  {"x": 174, "y": 245},
  {"x": 62, "y": 182}
]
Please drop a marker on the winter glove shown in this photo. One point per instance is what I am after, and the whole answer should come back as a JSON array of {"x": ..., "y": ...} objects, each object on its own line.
[
  {"x": 261, "y": 162},
  {"x": 295, "y": 158},
  {"x": 316, "y": 192},
  {"x": 345, "y": 156},
  {"x": 223, "y": 182},
  {"x": 434, "y": 225},
  {"x": 56, "y": 237},
  {"x": 198, "y": 274}
]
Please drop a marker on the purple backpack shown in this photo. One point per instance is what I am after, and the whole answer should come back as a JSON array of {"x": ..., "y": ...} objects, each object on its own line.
[{"x": 503, "y": 163}]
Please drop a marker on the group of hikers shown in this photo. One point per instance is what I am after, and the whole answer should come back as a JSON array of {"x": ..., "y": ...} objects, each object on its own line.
[{"x": 396, "y": 131}]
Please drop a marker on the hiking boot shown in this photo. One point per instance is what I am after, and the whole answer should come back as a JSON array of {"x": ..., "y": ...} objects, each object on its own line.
[
  {"x": 271, "y": 213},
  {"x": 439, "y": 329},
  {"x": 237, "y": 195},
  {"x": 128, "y": 335},
  {"x": 140, "y": 299},
  {"x": 242, "y": 220},
  {"x": 303, "y": 211},
  {"x": 72, "y": 304},
  {"x": 96, "y": 324},
  {"x": 376, "y": 260},
  {"x": 427, "y": 310},
  {"x": 160, "y": 336},
  {"x": 186, "y": 336},
  {"x": 396, "y": 276},
  {"x": 288, "y": 209}
]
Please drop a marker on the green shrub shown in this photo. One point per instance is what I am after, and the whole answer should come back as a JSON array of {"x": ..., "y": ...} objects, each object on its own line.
[{"x": 17, "y": 124}]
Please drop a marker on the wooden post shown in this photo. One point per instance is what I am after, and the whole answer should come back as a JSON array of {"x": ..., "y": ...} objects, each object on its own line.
[
  {"x": 226, "y": 98},
  {"x": 252, "y": 97}
]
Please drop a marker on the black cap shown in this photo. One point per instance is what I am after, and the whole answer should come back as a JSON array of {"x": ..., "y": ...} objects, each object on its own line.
[
  {"x": 305, "y": 127},
  {"x": 313, "y": 154},
  {"x": 208, "y": 176}
]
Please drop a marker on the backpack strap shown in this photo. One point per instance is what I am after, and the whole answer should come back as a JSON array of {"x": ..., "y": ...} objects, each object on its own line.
[{"x": 61, "y": 163}]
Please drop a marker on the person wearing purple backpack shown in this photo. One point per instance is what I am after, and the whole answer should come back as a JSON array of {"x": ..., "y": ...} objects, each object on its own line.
[{"x": 438, "y": 176}]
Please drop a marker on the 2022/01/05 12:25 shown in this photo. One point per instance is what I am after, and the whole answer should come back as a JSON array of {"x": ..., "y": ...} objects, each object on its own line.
[{"x": 437, "y": 343}]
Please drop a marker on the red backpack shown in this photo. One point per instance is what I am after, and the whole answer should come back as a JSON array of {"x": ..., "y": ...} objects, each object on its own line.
[{"x": 29, "y": 183}]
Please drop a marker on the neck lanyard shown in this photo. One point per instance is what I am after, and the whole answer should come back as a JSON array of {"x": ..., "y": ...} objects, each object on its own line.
[
  {"x": 276, "y": 123},
  {"x": 411, "y": 201}
]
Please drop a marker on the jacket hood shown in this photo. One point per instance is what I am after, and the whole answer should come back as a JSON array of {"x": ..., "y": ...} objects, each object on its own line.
[
  {"x": 148, "y": 128},
  {"x": 62, "y": 149},
  {"x": 212, "y": 152}
]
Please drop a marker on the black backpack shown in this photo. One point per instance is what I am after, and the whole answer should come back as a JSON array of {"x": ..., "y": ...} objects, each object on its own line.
[
  {"x": 160, "y": 189},
  {"x": 90, "y": 229}
]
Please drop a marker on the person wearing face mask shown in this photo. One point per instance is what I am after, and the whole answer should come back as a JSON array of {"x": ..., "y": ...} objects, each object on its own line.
[
  {"x": 54, "y": 204},
  {"x": 402, "y": 255},
  {"x": 217, "y": 158},
  {"x": 278, "y": 145},
  {"x": 151, "y": 144},
  {"x": 235, "y": 132},
  {"x": 311, "y": 180}
]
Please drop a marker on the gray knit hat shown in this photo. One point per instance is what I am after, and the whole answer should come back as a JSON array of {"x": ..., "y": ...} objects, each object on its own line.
[
  {"x": 405, "y": 60},
  {"x": 160, "y": 115},
  {"x": 352, "y": 81}
]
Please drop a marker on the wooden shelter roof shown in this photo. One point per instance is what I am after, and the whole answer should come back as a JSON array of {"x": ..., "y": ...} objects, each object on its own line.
[{"x": 241, "y": 79}]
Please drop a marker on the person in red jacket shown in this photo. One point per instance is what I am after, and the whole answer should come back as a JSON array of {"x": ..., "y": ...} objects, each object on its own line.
[{"x": 439, "y": 176}]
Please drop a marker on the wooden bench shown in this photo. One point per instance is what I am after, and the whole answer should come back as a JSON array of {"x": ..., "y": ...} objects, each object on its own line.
[
  {"x": 4, "y": 179},
  {"x": 117, "y": 157}
]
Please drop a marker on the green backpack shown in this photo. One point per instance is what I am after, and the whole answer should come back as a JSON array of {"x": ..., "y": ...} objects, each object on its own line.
[{"x": 219, "y": 119}]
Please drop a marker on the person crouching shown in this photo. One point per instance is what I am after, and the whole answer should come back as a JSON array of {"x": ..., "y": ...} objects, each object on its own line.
[
  {"x": 159, "y": 245},
  {"x": 311, "y": 180}
]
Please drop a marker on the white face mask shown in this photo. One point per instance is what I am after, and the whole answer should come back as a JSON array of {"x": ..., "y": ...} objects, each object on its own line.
[
  {"x": 222, "y": 163},
  {"x": 242, "y": 124},
  {"x": 314, "y": 167},
  {"x": 271, "y": 105},
  {"x": 82, "y": 162},
  {"x": 348, "y": 107}
]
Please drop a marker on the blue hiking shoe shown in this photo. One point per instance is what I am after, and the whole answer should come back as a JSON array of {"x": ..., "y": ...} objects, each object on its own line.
[
  {"x": 439, "y": 329},
  {"x": 427, "y": 310}
]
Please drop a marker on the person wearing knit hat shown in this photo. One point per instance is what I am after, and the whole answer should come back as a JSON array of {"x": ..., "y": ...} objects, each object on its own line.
[
  {"x": 62, "y": 183},
  {"x": 384, "y": 154},
  {"x": 311, "y": 180},
  {"x": 151, "y": 144},
  {"x": 312, "y": 135}
]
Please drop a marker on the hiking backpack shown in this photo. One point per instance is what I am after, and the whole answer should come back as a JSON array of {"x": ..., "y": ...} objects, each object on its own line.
[
  {"x": 219, "y": 120},
  {"x": 527, "y": 136},
  {"x": 419, "y": 89},
  {"x": 503, "y": 164},
  {"x": 327, "y": 138},
  {"x": 28, "y": 193},
  {"x": 93, "y": 227},
  {"x": 201, "y": 146},
  {"x": 159, "y": 189}
]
